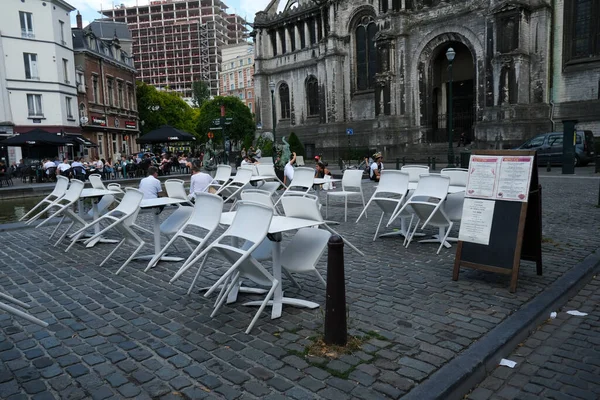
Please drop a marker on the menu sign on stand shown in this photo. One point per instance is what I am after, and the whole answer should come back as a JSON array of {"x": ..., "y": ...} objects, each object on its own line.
[{"x": 501, "y": 221}]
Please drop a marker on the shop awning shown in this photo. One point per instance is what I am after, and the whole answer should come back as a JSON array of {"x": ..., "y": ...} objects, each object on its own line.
[{"x": 80, "y": 140}]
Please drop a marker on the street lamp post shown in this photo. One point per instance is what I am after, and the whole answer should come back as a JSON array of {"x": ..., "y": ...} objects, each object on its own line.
[
  {"x": 450, "y": 53},
  {"x": 272, "y": 88}
]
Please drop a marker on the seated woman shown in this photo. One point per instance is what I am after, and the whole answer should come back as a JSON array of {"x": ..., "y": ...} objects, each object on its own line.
[
  {"x": 376, "y": 167},
  {"x": 322, "y": 172}
]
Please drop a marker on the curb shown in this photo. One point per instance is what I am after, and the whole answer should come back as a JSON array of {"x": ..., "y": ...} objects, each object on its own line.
[{"x": 455, "y": 379}]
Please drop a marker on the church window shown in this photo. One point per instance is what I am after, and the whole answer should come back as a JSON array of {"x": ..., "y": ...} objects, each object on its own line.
[
  {"x": 273, "y": 36},
  {"x": 366, "y": 55},
  {"x": 582, "y": 30},
  {"x": 312, "y": 96},
  {"x": 282, "y": 40},
  {"x": 284, "y": 100}
]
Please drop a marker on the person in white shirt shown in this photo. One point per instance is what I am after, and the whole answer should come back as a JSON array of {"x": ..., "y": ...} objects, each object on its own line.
[
  {"x": 288, "y": 171},
  {"x": 76, "y": 163},
  {"x": 64, "y": 167},
  {"x": 150, "y": 185},
  {"x": 376, "y": 167},
  {"x": 199, "y": 181},
  {"x": 47, "y": 165}
]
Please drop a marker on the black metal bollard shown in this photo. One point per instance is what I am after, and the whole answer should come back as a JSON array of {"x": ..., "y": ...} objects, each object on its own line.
[
  {"x": 397, "y": 163},
  {"x": 336, "y": 330},
  {"x": 457, "y": 160},
  {"x": 599, "y": 195},
  {"x": 597, "y": 170},
  {"x": 429, "y": 162},
  {"x": 403, "y": 161},
  {"x": 548, "y": 167},
  {"x": 433, "y": 163}
]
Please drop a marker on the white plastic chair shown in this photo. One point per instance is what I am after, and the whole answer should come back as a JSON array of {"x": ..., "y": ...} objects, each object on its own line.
[
  {"x": 426, "y": 203},
  {"x": 415, "y": 171},
  {"x": 120, "y": 219},
  {"x": 62, "y": 183},
  {"x": 303, "y": 252},
  {"x": 251, "y": 167},
  {"x": 351, "y": 186},
  {"x": 239, "y": 182},
  {"x": 206, "y": 216},
  {"x": 306, "y": 206},
  {"x": 175, "y": 189},
  {"x": 389, "y": 195},
  {"x": 266, "y": 160},
  {"x": 222, "y": 176},
  {"x": 300, "y": 161},
  {"x": 268, "y": 170},
  {"x": 453, "y": 207},
  {"x": 258, "y": 196},
  {"x": 458, "y": 176},
  {"x": 258, "y": 217},
  {"x": 96, "y": 181},
  {"x": 302, "y": 182},
  {"x": 173, "y": 223}
]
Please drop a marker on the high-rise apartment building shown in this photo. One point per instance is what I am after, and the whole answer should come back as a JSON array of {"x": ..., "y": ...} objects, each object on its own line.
[
  {"x": 177, "y": 42},
  {"x": 237, "y": 73}
]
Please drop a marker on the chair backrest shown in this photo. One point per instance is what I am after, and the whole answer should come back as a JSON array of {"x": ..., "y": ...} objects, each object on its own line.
[
  {"x": 432, "y": 185},
  {"x": 223, "y": 173},
  {"x": 249, "y": 167},
  {"x": 115, "y": 187},
  {"x": 415, "y": 171},
  {"x": 257, "y": 196},
  {"x": 62, "y": 183},
  {"x": 242, "y": 176},
  {"x": 175, "y": 189},
  {"x": 73, "y": 192},
  {"x": 300, "y": 161},
  {"x": 131, "y": 201},
  {"x": 266, "y": 160},
  {"x": 96, "y": 182},
  {"x": 207, "y": 211},
  {"x": 303, "y": 177},
  {"x": 458, "y": 176},
  {"x": 266, "y": 170},
  {"x": 251, "y": 222},
  {"x": 393, "y": 181},
  {"x": 352, "y": 178},
  {"x": 306, "y": 207}
]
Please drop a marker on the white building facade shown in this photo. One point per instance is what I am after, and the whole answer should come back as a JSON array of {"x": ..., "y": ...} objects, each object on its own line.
[
  {"x": 237, "y": 73},
  {"x": 38, "y": 78}
]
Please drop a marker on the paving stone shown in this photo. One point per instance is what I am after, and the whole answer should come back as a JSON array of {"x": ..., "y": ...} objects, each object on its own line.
[
  {"x": 77, "y": 370},
  {"x": 116, "y": 379},
  {"x": 101, "y": 393},
  {"x": 129, "y": 390}
]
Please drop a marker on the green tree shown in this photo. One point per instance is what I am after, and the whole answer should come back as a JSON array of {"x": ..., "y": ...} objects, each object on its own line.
[
  {"x": 200, "y": 93},
  {"x": 162, "y": 107},
  {"x": 242, "y": 123},
  {"x": 295, "y": 144}
]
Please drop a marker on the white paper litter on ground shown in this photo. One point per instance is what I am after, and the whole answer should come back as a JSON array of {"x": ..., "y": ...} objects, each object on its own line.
[
  {"x": 577, "y": 313},
  {"x": 553, "y": 315},
  {"x": 508, "y": 363}
]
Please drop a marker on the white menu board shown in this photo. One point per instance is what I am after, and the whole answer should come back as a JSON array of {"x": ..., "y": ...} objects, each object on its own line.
[
  {"x": 483, "y": 172},
  {"x": 514, "y": 178},
  {"x": 476, "y": 222}
]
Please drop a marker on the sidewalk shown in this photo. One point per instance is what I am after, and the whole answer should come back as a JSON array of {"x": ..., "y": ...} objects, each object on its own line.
[{"x": 561, "y": 360}]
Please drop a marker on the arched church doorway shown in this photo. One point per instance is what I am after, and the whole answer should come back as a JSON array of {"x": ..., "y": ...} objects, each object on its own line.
[{"x": 463, "y": 93}]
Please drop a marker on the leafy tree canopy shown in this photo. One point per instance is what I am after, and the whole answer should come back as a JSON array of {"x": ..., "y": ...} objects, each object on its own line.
[
  {"x": 200, "y": 93},
  {"x": 163, "y": 107},
  {"x": 242, "y": 123}
]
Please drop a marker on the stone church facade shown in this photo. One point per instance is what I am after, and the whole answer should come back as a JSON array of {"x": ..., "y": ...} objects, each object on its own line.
[{"x": 379, "y": 68}]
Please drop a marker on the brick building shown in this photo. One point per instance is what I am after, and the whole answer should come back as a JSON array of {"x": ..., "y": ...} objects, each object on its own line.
[
  {"x": 237, "y": 73},
  {"x": 105, "y": 78}
]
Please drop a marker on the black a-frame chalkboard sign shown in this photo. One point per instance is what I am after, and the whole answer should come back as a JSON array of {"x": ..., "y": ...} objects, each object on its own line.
[{"x": 516, "y": 228}]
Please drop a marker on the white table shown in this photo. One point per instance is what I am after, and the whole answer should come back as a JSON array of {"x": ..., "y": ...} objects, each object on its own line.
[
  {"x": 451, "y": 189},
  {"x": 320, "y": 181},
  {"x": 158, "y": 204},
  {"x": 95, "y": 195},
  {"x": 279, "y": 224}
]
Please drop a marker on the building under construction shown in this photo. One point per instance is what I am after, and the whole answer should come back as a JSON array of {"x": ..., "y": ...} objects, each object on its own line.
[{"x": 177, "y": 42}]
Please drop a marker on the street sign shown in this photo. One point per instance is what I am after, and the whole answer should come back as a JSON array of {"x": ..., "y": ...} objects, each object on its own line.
[
  {"x": 216, "y": 128},
  {"x": 228, "y": 119},
  {"x": 216, "y": 122},
  {"x": 349, "y": 131},
  {"x": 210, "y": 135}
]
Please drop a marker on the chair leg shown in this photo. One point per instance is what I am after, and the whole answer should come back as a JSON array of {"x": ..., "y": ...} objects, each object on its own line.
[
  {"x": 291, "y": 278},
  {"x": 73, "y": 241},
  {"x": 445, "y": 237},
  {"x": 364, "y": 206},
  {"x": 57, "y": 226},
  {"x": 413, "y": 233},
  {"x": 60, "y": 239},
  {"x": 326, "y": 206},
  {"x": 345, "y": 208},
  {"x": 262, "y": 306},
  {"x": 224, "y": 297},
  {"x": 113, "y": 252},
  {"x": 378, "y": 225},
  {"x": 408, "y": 229},
  {"x": 321, "y": 278},
  {"x": 131, "y": 257},
  {"x": 197, "y": 274}
]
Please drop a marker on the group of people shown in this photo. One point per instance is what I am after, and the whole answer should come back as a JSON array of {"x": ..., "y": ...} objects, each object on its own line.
[{"x": 151, "y": 186}]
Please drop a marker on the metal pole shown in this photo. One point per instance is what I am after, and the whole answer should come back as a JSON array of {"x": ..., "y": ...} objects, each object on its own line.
[
  {"x": 274, "y": 120},
  {"x": 336, "y": 329},
  {"x": 222, "y": 122},
  {"x": 450, "y": 120}
]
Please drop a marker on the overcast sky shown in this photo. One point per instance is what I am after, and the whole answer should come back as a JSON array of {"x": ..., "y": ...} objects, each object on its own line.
[{"x": 89, "y": 9}]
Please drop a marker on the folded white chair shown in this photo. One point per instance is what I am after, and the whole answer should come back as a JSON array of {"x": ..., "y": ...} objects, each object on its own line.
[
  {"x": 206, "y": 215},
  {"x": 240, "y": 181},
  {"x": 62, "y": 183},
  {"x": 426, "y": 203},
  {"x": 96, "y": 181},
  {"x": 351, "y": 186},
  {"x": 302, "y": 182},
  {"x": 300, "y": 161},
  {"x": 121, "y": 219},
  {"x": 268, "y": 170},
  {"x": 303, "y": 252},
  {"x": 458, "y": 176},
  {"x": 389, "y": 195},
  {"x": 415, "y": 171},
  {"x": 222, "y": 176},
  {"x": 306, "y": 206},
  {"x": 453, "y": 207},
  {"x": 257, "y": 216}
]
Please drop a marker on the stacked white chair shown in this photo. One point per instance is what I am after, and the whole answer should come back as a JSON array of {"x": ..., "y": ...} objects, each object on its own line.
[
  {"x": 415, "y": 171},
  {"x": 427, "y": 205},
  {"x": 389, "y": 195},
  {"x": 240, "y": 181},
  {"x": 121, "y": 219},
  {"x": 454, "y": 201},
  {"x": 303, "y": 252},
  {"x": 173, "y": 223},
  {"x": 351, "y": 186},
  {"x": 258, "y": 217},
  {"x": 107, "y": 200},
  {"x": 222, "y": 176},
  {"x": 62, "y": 183},
  {"x": 205, "y": 216},
  {"x": 458, "y": 176},
  {"x": 268, "y": 170},
  {"x": 302, "y": 182}
]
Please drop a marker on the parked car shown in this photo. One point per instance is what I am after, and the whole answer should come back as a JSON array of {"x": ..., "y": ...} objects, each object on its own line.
[{"x": 549, "y": 147}]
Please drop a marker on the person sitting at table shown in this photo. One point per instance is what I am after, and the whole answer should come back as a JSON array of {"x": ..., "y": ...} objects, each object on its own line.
[
  {"x": 288, "y": 170},
  {"x": 376, "y": 167},
  {"x": 150, "y": 185},
  {"x": 249, "y": 161},
  {"x": 199, "y": 181},
  {"x": 48, "y": 164},
  {"x": 64, "y": 168}
]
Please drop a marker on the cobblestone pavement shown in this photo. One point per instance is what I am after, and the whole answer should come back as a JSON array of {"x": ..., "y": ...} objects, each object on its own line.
[
  {"x": 135, "y": 335},
  {"x": 561, "y": 360}
]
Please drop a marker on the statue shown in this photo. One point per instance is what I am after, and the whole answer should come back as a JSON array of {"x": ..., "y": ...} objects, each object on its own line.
[
  {"x": 285, "y": 152},
  {"x": 208, "y": 154}
]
